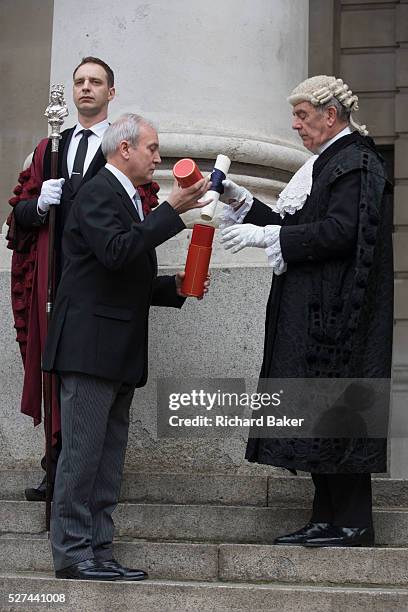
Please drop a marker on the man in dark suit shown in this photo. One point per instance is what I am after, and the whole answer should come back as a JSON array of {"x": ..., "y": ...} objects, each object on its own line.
[
  {"x": 80, "y": 159},
  {"x": 97, "y": 340}
]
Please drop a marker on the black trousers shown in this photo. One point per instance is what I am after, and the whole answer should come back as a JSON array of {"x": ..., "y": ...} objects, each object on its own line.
[
  {"x": 94, "y": 428},
  {"x": 344, "y": 500}
]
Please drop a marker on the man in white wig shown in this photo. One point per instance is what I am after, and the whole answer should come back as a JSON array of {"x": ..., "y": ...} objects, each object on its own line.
[{"x": 330, "y": 309}]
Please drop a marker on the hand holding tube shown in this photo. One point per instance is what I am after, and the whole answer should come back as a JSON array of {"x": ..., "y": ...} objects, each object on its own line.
[
  {"x": 179, "y": 285},
  {"x": 186, "y": 199},
  {"x": 235, "y": 195}
]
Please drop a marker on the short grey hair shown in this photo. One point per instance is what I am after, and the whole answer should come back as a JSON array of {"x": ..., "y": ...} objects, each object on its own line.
[
  {"x": 343, "y": 113},
  {"x": 127, "y": 127}
]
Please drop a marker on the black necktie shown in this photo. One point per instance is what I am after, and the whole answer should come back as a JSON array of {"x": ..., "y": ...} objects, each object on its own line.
[{"x": 78, "y": 167}]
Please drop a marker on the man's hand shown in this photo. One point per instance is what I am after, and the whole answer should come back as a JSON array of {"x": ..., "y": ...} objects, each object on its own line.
[
  {"x": 179, "y": 280},
  {"x": 238, "y": 237},
  {"x": 50, "y": 195},
  {"x": 186, "y": 199},
  {"x": 234, "y": 195}
]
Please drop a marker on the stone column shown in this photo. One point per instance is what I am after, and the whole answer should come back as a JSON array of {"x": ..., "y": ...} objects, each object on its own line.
[{"x": 212, "y": 75}]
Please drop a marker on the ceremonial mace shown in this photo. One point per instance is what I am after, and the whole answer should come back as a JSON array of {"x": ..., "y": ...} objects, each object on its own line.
[{"x": 56, "y": 111}]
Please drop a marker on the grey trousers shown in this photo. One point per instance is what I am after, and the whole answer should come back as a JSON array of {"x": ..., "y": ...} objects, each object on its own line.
[{"x": 94, "y": 429}]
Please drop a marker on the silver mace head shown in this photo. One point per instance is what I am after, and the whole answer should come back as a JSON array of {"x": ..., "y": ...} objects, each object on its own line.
[{"x": 56, "y": 111}]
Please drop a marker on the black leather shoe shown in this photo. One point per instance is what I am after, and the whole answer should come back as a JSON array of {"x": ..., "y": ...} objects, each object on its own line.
[
  {"x": 125, "y": 572},
  {"x": 300, "y": 536},
  {"x": 343, "y": 536},
  {"x": 38, "y": 493},
  {"x": 88, "y": 570},
  {"x": 35, "y": 494}
]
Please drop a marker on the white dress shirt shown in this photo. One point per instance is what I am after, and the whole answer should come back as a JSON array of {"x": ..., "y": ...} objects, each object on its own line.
[
  {"x": 327, "y": 144},
  {"x": 94, "y": 142},
  {"x": 128, "y": 187}
]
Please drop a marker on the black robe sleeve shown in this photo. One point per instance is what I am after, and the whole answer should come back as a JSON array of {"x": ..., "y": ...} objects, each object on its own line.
[
  {"x": 26, "y": 215},
  {"x": 261, "y": 214},
  {"x": 332, "y": 237}
]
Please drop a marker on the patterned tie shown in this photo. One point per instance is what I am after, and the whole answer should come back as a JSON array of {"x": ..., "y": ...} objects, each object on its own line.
[
  {"x": 78, "y": 167},
  {"x": 138, "y": 204}
]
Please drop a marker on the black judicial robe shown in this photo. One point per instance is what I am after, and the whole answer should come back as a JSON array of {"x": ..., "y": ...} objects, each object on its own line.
[{"x": 331, "y": 313}]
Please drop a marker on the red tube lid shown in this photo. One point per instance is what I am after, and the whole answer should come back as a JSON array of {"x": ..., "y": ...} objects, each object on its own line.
[{"x": 186, "y": 172}]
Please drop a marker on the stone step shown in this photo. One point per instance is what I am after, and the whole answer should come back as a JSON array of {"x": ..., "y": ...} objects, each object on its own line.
[
  {"x": 219, "y": 489},
  {"x": 194, "y": 523},
  {"x": 233, "y": 562},
  {"x": 183, "y": 596}
]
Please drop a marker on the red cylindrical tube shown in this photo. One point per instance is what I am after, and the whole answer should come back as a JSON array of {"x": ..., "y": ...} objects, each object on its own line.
[
  {"x": 186, "y": 172},
  {"x": 198, "y": 260}
]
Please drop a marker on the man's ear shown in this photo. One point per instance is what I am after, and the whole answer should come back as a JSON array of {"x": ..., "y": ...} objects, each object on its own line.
[
  {"x": 331, "y": 116},
  {"x": 111, "y": 93},
  {"x": 124, "y": 149}
]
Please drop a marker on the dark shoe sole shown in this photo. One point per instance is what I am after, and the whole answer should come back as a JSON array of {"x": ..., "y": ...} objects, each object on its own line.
[
  {"x": 88, "y": 578},
  {"x": 338, "y": 545}
]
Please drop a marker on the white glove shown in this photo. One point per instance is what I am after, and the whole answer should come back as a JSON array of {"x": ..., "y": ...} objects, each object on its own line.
[
  {"x": 238, "y": 237},
  {"x": 234, "y": 194},
  {"x": 50, "y": 195}
]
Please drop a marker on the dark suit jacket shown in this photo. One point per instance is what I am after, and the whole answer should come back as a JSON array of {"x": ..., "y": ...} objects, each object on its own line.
[
  {"x": 100, "y": 320},
  {"x": 25, "y": 212}
]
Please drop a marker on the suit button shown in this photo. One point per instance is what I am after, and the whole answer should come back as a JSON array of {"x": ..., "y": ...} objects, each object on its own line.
[
  {"x": 310, "y": 257},
  {"x": 304, "y": 244}
]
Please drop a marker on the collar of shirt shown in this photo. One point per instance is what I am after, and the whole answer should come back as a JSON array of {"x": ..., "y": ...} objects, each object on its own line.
[
  {"x": 94, "y": 142},
  {"x": 327, "y": 144},
  {"x": 128, "y": 187},
  {"x": 97, "y": 130}
]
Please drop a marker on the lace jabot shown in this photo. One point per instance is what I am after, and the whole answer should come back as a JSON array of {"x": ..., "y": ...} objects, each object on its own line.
[{"x": 293, "y": 197}]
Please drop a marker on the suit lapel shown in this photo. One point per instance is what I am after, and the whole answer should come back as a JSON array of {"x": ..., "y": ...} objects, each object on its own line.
[
  {"x": 130, "y": 207},
  {"x": 64, "y": 165},
  {"x": 121, "y": 191},
  {"x": 129, "y": 204},
  {"x": 96, "y": 164}
]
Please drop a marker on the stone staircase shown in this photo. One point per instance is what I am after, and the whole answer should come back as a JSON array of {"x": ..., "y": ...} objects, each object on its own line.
[{"x": 206, "y": 542}]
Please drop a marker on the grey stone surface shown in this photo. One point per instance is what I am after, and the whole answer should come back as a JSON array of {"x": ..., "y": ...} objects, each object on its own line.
[
  {"x": 232, "y": 562},
  {"x": 22, "y": 517},
  {"x": 23, "y": 65},
  {"x": 169, "y": 560},
  {"x": 201, "y": 523},
  {"x": 229, "y": 344},
  {"x": 298, "y": 490},
  {"x": 216, "y": 489},
  {"x": 13, "y": 482},
  {"x": 155, "y": 595},
  {"x": 237, "y": 524},
  {"x": 368, "y": 28},
  {"x": 249, "y": 563},
  {"x": 225, "y": 489}
]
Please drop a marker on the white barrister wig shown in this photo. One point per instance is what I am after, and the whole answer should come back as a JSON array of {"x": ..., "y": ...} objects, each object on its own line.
[{"x": 319, "y": 90}]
